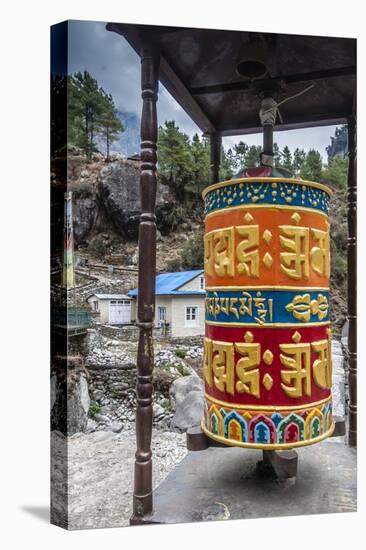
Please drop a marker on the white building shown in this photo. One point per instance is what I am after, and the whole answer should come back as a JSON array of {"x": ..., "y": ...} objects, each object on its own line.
[
  {"x": 113, "y": 309},
  {"x": 180, "y": 302}
]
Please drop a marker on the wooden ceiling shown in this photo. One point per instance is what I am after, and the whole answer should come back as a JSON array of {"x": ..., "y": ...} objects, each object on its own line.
[{"x": 198, "y": 68}]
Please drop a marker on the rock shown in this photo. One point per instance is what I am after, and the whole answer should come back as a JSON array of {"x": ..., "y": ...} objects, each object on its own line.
[
  {"x": 338, "y": 393},
  {"x": 158, "y": 410},
  {"x": 91, "y": 426},
  {"x": 336, "y": 348},
  {"x": 120, "y": 194},
  {"x": 70, "y": 395},
  {"x": 183, "y": 386},
  {"x": 135, "y": 258},
  {"x": 344, "y": 343},
  {"x": 84, "y": 394},
  {"x": 53, "y": 390},
  {"x": 102, "y": 419},
  {"x": 344, "y": 333},
  {"x": 189, "y": 411},
  {"x": 85, "y": 213},
  {"x": 116, "y": 427},
  {"x": 212, "y": 512},
  {"x": 338, "y": 364}
]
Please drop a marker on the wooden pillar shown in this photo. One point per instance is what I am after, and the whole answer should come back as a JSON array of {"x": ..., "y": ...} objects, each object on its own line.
[
  {"x": 215, "y": 143},
  {"x": 352, "y": 281},
  {"x": 142, "y": 496}
]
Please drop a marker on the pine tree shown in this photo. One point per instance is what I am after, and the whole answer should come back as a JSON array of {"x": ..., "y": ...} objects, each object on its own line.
[
  {"x": 253, "y": 156},
  {"x": 336, "y": 172},
  {"x": 286, "y": 159},
  {"x": 109, "y": 123},
  {"x": 200, "y": 152},
  {"x": 299, "y": 159},
  {"x": 312, "y": 167},
  {"x": 175, "y": 158},
  {"x": 227, "y": 167},
  {"x": 276, "y": 155},
  {"x": 85, "y": 106},
  {"x": 240, "y": 151}
]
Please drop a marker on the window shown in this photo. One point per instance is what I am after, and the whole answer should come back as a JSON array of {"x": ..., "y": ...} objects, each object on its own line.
[
  {"x": 95, "y": 305},
  {"x": 191, "y": 316},
  {"x": 161, "y": 314},
  {"x": 202, "y": 283}
]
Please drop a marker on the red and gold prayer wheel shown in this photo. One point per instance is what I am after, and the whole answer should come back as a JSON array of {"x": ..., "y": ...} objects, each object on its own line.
[{"x": 267, "y": 347}]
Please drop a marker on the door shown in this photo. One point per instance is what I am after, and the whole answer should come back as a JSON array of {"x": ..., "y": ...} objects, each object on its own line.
[
  {"x": 161, "y": 315},
  {"x": 119, "y": 312}
]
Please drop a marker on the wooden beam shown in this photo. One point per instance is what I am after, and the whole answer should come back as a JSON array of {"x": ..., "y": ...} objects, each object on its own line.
[
  {"x": 352, "y": 281},
  {"x": 304, "y": 122},
  {"x": 142, "y": 496},
  {"x": 265, "y": 82}
]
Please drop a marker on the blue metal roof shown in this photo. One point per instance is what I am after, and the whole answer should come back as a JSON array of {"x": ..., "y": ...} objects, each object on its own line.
[{"x": 169, "y": 283}]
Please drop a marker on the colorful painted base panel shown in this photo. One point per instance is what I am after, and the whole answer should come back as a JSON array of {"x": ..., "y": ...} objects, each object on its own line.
[{"x": 267, "y": 347}]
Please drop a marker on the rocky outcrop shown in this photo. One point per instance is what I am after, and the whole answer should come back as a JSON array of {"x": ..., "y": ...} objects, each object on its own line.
[
  {"x": 119, "y": 191},
  {"x": 86, "y": 213},
  {"x": 70, "y": 399}
]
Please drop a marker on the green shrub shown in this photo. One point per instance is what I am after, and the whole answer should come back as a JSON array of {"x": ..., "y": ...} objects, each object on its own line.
[
  {"x": 94, "y": 409},
  {"x": 181, "y": 353}
]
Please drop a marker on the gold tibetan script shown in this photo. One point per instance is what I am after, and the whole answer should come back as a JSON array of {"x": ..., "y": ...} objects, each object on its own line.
[
  {"x": 219, "y": 252},
  {"x": 297, "y": 358},
  {"x": 243, "y": 376},
  {"x": 322, "y": 367},
  {"x": 221, "y": 257},
  {"x": 223, "y": 366},
  {"x": 256, "y": 306},
  {"x": 295, "y": 262},
  {"x": 207, "y": 360},
  {"x": 320, "y": 255},
  {"x": 247, "y": 367},
  {"x": 247, "y": 250}
]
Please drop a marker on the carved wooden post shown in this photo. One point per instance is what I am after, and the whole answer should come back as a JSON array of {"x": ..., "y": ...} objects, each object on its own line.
[
  {"x": 215, "y": 143},
  {"x": 142, "y": 497},
  {"x": 352, "y": 280}
]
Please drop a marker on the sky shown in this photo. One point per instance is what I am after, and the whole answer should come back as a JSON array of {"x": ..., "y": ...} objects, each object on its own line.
[{"x": 116, "y": 66}]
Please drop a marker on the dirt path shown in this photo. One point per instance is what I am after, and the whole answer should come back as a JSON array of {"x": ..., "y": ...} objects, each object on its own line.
[{"x": 101, "y": 474}]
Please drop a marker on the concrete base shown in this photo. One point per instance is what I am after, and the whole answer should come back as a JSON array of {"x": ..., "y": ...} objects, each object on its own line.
[{"x": 217, "y": 484}]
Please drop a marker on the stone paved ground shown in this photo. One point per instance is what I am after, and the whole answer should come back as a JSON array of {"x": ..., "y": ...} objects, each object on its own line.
[{"x": 101, "y": 474}]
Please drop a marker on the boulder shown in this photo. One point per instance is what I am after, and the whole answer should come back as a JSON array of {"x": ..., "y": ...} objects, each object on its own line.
[
  {"x": 92, "y": 426},
  {"x": 181, "y": 387},
  {"x": 102, "y": 419},
  {"x": 119, "y": 190},
  {"x": 116, "y": 427},
  {"x": 189, "y": 412},
  {"x": 69, "y": 395},
  {"x": 85, "y": 213},
  {"x": 187, "y": 395}
]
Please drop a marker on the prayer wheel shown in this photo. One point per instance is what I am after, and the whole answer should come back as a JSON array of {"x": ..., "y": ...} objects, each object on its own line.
[{"x": 267, "y": 347}]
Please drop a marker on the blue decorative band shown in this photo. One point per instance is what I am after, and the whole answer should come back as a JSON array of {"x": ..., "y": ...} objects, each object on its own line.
[
  {"x": 265, "y": 307},
  {"x": 266, "y": 193}
]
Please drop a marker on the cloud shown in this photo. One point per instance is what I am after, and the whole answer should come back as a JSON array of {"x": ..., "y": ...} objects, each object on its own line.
[{"x": 116, "y": 66}]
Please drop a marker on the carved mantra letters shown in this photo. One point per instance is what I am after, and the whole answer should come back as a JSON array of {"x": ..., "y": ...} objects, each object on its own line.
[
  {"x": 237, "y": 367},
  {"x": 234, "y": 251}
]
